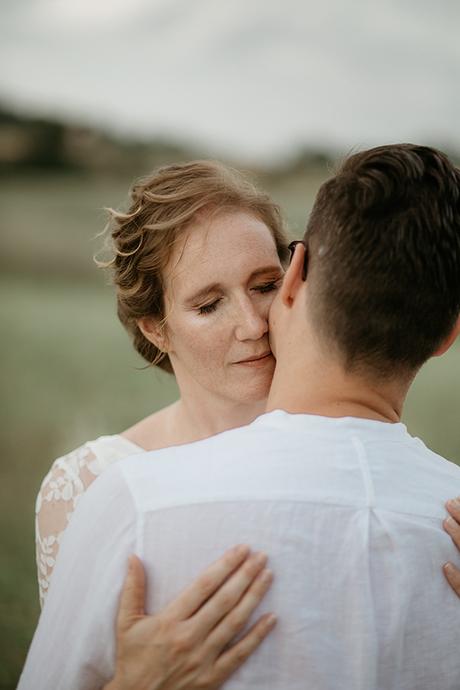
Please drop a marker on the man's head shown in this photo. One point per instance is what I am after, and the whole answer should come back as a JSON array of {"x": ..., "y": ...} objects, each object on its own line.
[{"x": 383, "y": 242}]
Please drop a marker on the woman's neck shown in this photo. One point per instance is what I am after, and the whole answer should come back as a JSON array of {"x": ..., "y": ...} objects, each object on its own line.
[
  {"x": 202, "y": 416},
  {"x": 192, "y": 418}
]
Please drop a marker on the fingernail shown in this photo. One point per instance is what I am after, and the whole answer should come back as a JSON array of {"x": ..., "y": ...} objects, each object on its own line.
[
  {"x": 260, "y": 558},
  {"x": 454, "y": 502},
  {"x": 450, "y": 523},
  {"x": 266, "y": 576},
  {"x": 448, "y": 567},
  {"x": 241, "y": 550},
  {"x": 271, "y": 620}
]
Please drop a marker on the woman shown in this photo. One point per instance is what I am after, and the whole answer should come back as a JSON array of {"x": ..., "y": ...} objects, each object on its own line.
[
  {"x": 160, "y": 264},
  {"x": 198, "y": 258}
]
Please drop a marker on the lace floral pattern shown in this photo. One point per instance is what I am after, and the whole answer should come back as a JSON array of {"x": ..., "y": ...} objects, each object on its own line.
[{"x": 61, "y": 489}]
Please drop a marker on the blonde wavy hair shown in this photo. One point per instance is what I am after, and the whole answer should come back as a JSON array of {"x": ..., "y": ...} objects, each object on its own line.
[{"x": 162, "y": 207}]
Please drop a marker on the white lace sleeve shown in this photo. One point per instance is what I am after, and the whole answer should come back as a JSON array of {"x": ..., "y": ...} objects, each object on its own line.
[
  {"x": 66, "y": 481},
  {"x": 74, "y": 646}
]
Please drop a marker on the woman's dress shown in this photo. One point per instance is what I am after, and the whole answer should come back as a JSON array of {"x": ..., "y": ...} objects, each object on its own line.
[{"x": 60, "y": 491}]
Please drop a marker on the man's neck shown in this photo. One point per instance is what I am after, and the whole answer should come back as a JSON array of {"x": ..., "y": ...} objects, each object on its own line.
[{"x": 315, "y": 386}]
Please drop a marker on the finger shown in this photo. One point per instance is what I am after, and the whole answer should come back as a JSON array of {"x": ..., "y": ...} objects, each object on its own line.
[
  {"x": 228, "y": 595},
  {"x": 207, "y": 583},
  {"x": 235, "y": 656},
  {"x": 237, "y": 618},
  {"x": 453, "y": 507},
  {"x": 453, "y": 530},
  {"x": 132, "y": 597},
  {"x": 452, "y": 576}
]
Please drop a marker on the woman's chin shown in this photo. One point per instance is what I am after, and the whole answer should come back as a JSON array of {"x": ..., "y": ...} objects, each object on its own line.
[{"x": 255, "y": 385}]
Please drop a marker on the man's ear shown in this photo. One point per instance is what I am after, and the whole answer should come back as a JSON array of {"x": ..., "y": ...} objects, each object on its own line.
[
  {"x": 447, "y": 342},
  {"x": 292, "y": 280},
  {"x": 152, "y": 329}
]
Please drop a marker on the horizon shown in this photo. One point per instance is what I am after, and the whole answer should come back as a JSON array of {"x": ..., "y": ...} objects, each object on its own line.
[{"x": 253, "y": 81}]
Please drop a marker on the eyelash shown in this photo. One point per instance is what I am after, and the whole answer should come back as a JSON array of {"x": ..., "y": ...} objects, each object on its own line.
[{"x": 262, "y": 289}]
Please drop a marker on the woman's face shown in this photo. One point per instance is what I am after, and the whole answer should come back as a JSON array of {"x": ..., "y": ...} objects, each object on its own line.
[{"x": 219, "y": 285}]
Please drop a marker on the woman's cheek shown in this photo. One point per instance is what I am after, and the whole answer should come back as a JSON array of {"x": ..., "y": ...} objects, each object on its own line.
[{"x": 207, "y": 336}]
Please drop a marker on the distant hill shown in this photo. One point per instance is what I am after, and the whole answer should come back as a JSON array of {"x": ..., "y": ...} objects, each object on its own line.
[{"x": 31, "y": 142}]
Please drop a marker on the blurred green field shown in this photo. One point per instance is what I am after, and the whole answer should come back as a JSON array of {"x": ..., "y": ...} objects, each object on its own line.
[{"x": 69, "y": 373}]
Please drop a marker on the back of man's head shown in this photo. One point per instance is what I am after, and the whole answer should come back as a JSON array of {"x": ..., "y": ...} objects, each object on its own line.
[{"x": 384, "y": 246}]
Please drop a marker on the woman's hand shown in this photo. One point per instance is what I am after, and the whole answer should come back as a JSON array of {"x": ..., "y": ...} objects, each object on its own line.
[
  {"x": 186, "y": 645},
  {"x": 452, "y": 527}
]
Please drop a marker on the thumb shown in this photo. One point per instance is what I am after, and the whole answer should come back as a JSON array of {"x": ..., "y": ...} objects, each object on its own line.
[{"x": 132, "y": 597}]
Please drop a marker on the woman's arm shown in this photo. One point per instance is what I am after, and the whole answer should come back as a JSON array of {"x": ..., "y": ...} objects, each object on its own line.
[
  {"x": 186, "y": 645},
  {"x": 73, "y": 647},
  {"x": 68, "y": 478},
  {"x": 452, "y": 527}
]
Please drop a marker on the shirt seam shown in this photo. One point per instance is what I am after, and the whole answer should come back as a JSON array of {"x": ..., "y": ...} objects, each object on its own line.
[
  {"x": 250, "y": 499},
  {"x": 139, "y": 513},
  {"x": 365, "y": 470},
  {"x": 369, "y": 489}
]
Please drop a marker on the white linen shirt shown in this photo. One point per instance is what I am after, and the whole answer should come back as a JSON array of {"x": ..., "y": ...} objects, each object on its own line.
[{"x": 349, "y": 511}]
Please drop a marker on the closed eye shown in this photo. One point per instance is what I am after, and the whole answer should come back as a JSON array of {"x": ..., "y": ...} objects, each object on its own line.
[
  {"x": 268, "y": 287},
  {"x": 261, "y": 289},
  {"x": 209, "y": 308}
]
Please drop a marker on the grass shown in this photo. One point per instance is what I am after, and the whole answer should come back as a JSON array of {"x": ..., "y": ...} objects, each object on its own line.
[{"x": 69, "y": 372}]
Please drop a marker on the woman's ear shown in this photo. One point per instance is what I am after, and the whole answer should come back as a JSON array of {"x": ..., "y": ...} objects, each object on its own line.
[
  {"x": 293, "y": 280},
  {"x": 153, "y": 329},
  {"x": 447, "y": 342}
]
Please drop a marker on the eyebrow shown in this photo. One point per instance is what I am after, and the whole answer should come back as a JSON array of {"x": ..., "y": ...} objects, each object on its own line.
[{"x": 197, "y": 297}]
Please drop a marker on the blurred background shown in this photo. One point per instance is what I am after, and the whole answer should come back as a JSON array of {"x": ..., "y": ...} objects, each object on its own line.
[{"x": 95, "y": 94}]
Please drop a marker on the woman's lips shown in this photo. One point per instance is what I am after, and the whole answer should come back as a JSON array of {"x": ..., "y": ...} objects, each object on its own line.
[{"x": 259, "y": 361}]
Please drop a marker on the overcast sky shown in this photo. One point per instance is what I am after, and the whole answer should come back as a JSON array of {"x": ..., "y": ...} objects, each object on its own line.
[{"x": 256, "y": 78}]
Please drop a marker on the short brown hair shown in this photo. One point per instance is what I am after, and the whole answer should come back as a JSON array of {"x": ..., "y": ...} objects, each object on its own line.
[
  {"x": 162, "y": 206},
  {"x": 384, "y": 240}
]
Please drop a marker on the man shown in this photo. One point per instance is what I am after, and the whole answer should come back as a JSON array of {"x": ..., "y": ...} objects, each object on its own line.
[{"x": 348, "y": 506}]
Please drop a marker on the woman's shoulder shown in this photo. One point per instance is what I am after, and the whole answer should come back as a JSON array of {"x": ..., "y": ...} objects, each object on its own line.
[
  {"x": 97, "y": 453},
  {"x": 71, "y": 473},
  {"x": 104, "y": 450}
]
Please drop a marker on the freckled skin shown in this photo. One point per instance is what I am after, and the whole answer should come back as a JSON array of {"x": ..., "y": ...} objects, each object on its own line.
[{"x": 206, "y": 339}]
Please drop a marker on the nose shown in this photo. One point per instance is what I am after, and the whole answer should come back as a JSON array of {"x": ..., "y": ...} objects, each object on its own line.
[{"x": 251, "y": 321}]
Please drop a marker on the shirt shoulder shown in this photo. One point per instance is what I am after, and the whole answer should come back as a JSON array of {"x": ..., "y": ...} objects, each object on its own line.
[{"x": 307, "y": 458}]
